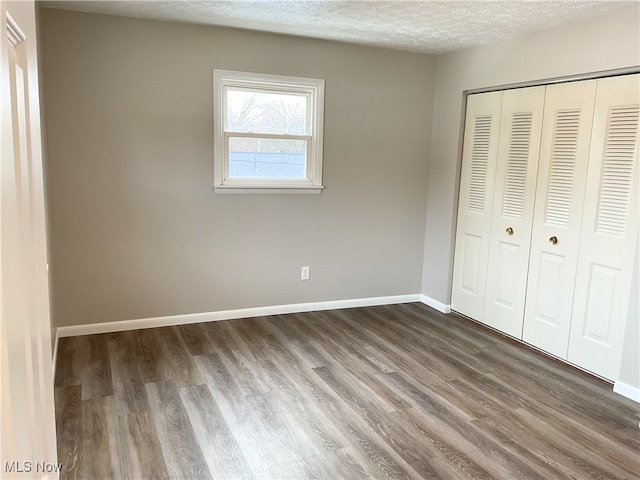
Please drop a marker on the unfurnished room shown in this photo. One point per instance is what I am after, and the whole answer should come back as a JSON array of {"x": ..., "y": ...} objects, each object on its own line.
[{"x": 320, "y": 239}]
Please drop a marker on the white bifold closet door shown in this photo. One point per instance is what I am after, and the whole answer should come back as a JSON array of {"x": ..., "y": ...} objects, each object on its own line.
[
  {"x": 514, "y": 194},
  {"x": 548, "y": 216},
  {"x": 480, "y": 150},
  {"x": 557, "y": 219},
  {"x": 609, "y": 229}
]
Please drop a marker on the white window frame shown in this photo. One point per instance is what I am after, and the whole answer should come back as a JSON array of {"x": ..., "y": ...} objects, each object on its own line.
[{"x": 312, "y": 88}]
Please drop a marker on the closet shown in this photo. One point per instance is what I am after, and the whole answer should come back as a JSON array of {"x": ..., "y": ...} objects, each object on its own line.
[{"x": 548, "y": 216}]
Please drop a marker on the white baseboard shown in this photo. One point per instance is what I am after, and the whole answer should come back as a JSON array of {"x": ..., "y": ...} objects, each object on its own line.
[
  {"x": 171, "y": 320},
  {"x": 627, "y": 390},
  {"x": 441, "y": 307}
]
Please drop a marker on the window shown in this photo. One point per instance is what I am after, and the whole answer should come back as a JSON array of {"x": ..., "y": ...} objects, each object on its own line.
[{"x": 267, "y": 133}]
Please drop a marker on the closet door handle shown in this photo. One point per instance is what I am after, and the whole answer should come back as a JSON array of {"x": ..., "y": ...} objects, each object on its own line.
[
  {"x": 509, "y": 231},
  {"x": 553, "y": 240}
]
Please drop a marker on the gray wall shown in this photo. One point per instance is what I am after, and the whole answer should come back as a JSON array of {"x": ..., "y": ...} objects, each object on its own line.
[
  {"x": 607, "y": 42},
  {"x": 136, "y": 230}
]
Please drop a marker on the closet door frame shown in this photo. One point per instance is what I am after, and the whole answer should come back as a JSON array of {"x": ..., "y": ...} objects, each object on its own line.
[{"x": 547, "y": 82}]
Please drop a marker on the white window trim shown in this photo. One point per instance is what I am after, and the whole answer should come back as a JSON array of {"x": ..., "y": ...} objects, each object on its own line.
[{"x": 313, "y": 88}]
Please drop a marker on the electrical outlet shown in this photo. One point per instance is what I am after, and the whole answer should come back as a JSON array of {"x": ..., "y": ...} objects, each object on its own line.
[{"x": 304, "y": 273}]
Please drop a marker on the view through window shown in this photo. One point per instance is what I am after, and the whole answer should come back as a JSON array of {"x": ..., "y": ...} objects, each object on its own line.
[
  {"x": 262, "y": 112},
  {"x": 268, "y": 132}
]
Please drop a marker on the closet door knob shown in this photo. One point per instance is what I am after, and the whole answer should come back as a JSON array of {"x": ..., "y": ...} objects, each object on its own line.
[
  {"x": 509, "y": 231},
  {"x": 553, "y": 240}
]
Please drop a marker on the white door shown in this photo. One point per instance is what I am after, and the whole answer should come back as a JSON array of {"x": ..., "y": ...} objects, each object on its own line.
[
  {"x": 479, "y": 154},
  {"x": 557, "y": 219},
  {"x": 27, "y": 429},
  {"x": 510, "y": 240},
  {"x": 609, "y": 229}
]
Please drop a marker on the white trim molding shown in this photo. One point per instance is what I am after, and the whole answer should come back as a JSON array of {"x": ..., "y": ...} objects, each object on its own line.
[
  {"x": 308, "y": 90},
  {"x": 54, "y": 359},
  {"x": 120, "y": 326},
  {"x": 433, "y": 303},
  {"x": 14, "y": 32},
  {"x": 627, "y": 390}
]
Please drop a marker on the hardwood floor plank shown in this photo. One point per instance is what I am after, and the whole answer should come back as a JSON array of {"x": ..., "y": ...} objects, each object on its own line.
[
  {"x": 149, "y": 355},
  {"x": 479, "y": 403},
  {"x": 96, "y": 376},
  {"x": 591, "y": 462},
  {"x": 448, "y": 459},
  {"x": 236, "y": 355},
  {"x": 178, "y": 363},
  {"x": 355, "y": 352},
  {"x": 397, "y": 438},
  {"x": 242, "y": 420},
  {"x": 100, "y": 434},
  {"x": 426, "y": 321},
  {"x": 221, "y": 450},
  {"x": 128, "y": 383},
  {"x": 371, "y": 455},
  {"x": 388, "y": 354},
  {"x": 428, "y": 350},
  {"x": 450, "y": 423},
  {"x": 289, "y": 444},
  {"x": 180, "y": 448},
  {"x": 284, "y": 326},
  {"x": 385, "y": 392},
  {"x": 69, "y": 366},
  {"x": 331, "y": 444},
  {"x": 69, "y": 427},
  {"x": 533, "y": 449},
  {"x": 587, "y": 398},
  {"x": 139, "y": 448},
  {"x": 393, "y": 356},
  {"x": 194, "y": 337},
  {"x": 539, "y": 391},
  {"x": 612, "y": 447},
  {"x": 224, "y": 338},
  {"x": 380, "y": 460}
]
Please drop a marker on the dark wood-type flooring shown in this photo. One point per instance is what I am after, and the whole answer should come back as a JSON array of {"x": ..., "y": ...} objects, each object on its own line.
[{"x": 396, "y": 391}]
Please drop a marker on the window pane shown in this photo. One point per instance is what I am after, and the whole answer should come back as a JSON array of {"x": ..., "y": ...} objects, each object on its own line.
[
  {"x": 258, "y": 112},
  {"x": 267, "y": 158}
]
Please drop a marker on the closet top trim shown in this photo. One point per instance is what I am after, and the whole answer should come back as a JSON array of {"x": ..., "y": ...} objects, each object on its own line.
[{"x": 551, "y": 81}]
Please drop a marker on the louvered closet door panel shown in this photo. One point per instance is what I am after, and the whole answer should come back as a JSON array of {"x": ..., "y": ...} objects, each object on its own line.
[
  {"x": 609, "y": 229},
  {"x": 555, "y": 241},
  {"x": 510, "y": 239},
  {"x": 479, "y": 154}
]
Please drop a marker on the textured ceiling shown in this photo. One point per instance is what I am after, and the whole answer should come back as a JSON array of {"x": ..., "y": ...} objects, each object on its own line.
[{"x": 425, "y": 26}]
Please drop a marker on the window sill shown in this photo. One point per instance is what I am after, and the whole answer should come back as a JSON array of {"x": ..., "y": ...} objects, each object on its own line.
[{"x": 268, "y": 190}]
